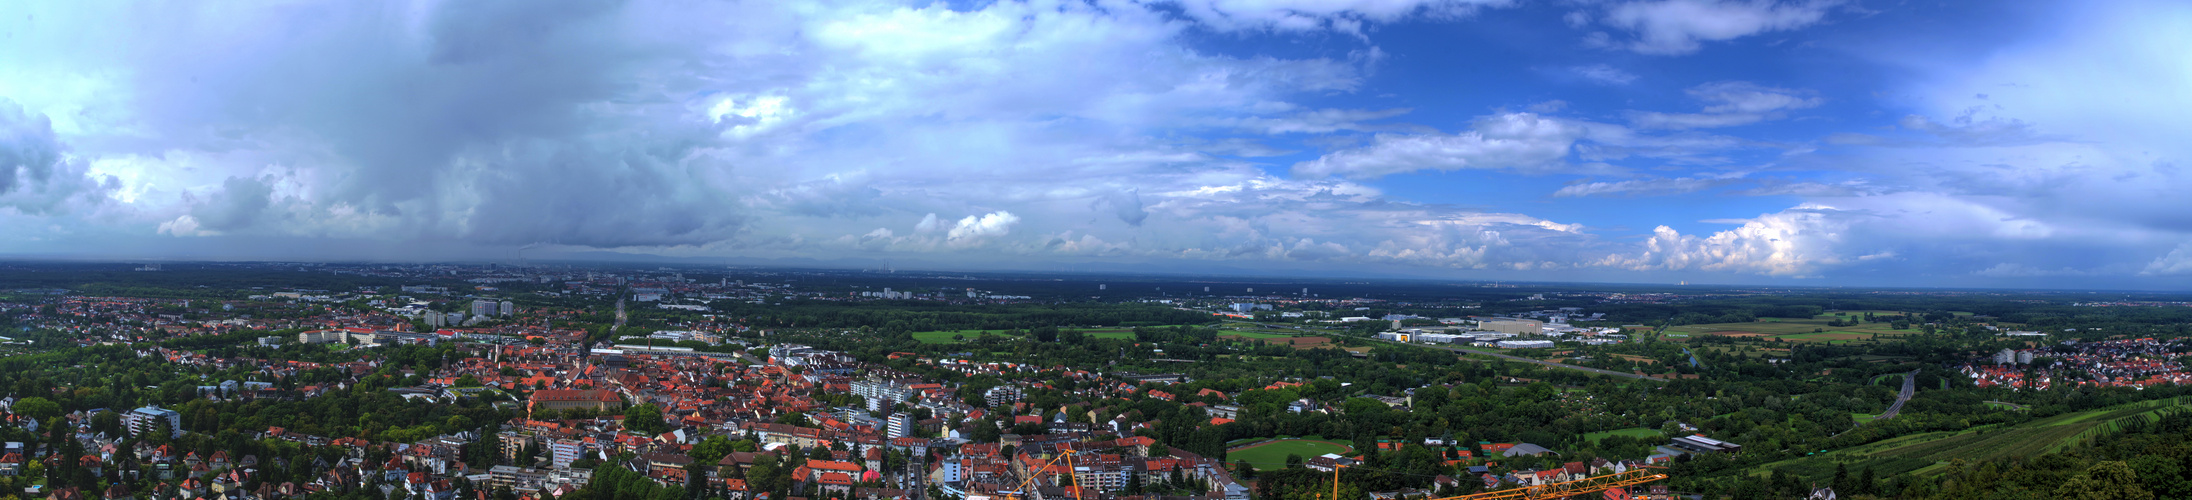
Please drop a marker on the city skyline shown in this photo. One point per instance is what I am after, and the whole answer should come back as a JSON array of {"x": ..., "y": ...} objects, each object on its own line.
[{"x": 1799, "y": 143}]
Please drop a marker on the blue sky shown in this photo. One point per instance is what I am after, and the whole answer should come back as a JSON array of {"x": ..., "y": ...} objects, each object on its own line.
[{"x": 1968, "y": 144}]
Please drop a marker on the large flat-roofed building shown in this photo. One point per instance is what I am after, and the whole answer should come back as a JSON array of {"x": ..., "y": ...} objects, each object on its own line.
[
  {"x": 322, "y": 336},
  {"x": 565, "y": 399},
  {"x": 1525, "y": 344},
  {"x": 1514, "y": 326},
  {"x": 1700, "y": 444}
]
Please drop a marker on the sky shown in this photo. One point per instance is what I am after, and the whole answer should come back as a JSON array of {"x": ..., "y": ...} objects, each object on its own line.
[{"x": 1827, "y": 142}]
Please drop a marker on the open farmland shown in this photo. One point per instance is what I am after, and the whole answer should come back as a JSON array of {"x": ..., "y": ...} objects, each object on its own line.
[
  {"x": 945, "y": 337},
  {"x": 1296, "y": 342},
  {"x": 1635, "y": 432},
  {"x": 1791, "y": 330}
]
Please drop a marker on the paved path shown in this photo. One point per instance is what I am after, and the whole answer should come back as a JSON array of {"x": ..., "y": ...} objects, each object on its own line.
[
  {"x": 1910, "y": 387},
  {"x": 1540, "y": 362}
]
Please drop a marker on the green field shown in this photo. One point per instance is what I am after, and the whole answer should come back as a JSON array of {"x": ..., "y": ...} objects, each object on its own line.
[
  {"x": 944, "y": 337},
  {"x": 1793, "y": 330},
  {"x": 1256, "y": 335},
  {"x": 1635, "y": 432},
  {"x": 1273, "y": 456}
]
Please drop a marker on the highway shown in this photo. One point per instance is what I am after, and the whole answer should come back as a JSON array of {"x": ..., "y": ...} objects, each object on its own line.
[{"x": 1910, "y": 387}]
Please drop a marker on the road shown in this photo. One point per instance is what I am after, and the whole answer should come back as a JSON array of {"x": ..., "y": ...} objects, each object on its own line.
[
  {"x": 620, "y": 318},
  {"x": 1540, "y": 362},
  {"x": 1910, "y": 387}
]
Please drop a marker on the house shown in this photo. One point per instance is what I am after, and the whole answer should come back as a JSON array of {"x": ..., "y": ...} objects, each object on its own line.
[
  {"x": 1328, "y": 461},
  {"x": 1525, "y": 449}
]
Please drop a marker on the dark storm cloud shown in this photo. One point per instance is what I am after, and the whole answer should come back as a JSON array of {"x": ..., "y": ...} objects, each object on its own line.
[
  {"x": 239, "y": 204},
  {"x": 491, "y": 122},
  {"x": 35, "y": 176}
]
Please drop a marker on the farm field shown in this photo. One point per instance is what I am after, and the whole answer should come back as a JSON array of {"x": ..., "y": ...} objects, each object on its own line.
[
  {"x": 1255, "y": 335},
  {"x": 1295, "y": 342},
  {"x": 1110, "y": 333},
  {"x": 1635, "y": 432},
  {"x": 944, "y": 337},
  {"x": 1272, "y": 456},
  {"x": 1791, "y": 330}
]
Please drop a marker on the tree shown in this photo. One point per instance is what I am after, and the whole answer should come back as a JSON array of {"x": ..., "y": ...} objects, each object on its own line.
[
  {"x": 711, "y": 450},
  {"x": 37, "y": 408},
  {"x": 986, "y": 431},
  {"x": 765, "y": 476},
  {"x": 1293, "y": 461},
  {"x": 2108, "y": 480},
  {"x": 645, "y": 418},
  {"x": 1242, "y": 470}
]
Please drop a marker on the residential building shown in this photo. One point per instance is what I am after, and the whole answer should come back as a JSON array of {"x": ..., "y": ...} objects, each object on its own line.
[
  {"x": 153, "y": 419},
  {"x": 901, "y": 425}
]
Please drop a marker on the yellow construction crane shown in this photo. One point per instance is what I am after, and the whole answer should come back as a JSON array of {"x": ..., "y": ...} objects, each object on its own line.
[
  {"x": 1565, "y": 489},
  {"x": 1019, "y": 492}
]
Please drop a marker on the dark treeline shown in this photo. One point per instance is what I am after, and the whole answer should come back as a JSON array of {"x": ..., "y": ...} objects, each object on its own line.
[{"x": 922, "y": 316}]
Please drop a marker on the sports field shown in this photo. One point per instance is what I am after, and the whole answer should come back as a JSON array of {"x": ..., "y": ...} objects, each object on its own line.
[{"x": 1272, "y": 455}]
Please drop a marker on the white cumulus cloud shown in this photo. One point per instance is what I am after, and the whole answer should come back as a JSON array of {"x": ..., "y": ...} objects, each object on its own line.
[
  {"x": 974, "y": 228},
  {"x": 1669, "y": 27},
  {"x": 2176, "y": 262},
  {"x": 1795, "y": 242}
]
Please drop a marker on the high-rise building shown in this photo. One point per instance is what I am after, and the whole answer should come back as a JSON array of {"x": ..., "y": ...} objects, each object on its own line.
[
  {"x": 509, "y": 308},
  {"x": 881, "y": 394},
  {"x": 1002, "y": 395},
  {"x": 900, "y": 425},
  {"x": 564, "y": 451},
  {"x": 484, "y": 308},
  {"x": 153, "y": 419}
]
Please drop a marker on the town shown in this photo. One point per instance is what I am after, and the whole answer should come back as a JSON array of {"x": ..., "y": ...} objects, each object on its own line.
[{"x": 515, "y": 382}]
